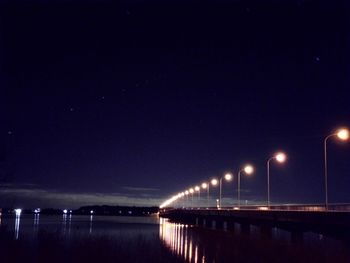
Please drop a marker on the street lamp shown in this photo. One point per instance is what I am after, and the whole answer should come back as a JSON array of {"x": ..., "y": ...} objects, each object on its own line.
[
  {"x": 191, "y": 192},
  {"x": 206, "y": 186},
  {"x": 248, "y": 169},
  {"x": 198, "y": 189},
  {"x": 183, "y": 199},
  {"x": 228, "y": 177},
  {"x": 187, "y": 193},
  {"x": 279, "y": 157},
  {"x": 178, "y": 196},
  {"x": 342, "y": 134},
  {"x": 213, "y": 182}
]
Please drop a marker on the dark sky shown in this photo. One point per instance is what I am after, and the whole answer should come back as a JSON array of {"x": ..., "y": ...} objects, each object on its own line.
[{"x": 131, "y": 102}]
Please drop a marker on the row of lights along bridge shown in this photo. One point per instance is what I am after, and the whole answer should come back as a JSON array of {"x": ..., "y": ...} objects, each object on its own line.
[{"x": 280, "y": 157}]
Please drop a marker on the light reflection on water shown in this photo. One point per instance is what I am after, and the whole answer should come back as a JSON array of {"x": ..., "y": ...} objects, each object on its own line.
[
  {"x": 17, "y": 223},
  {"x": 190, "y": 244},
  {"x": 64, "y": 223},
  {"x": 195, "y": 245},
  {"x": 36, "y": 220},
  {"x": 69, "y": 223},
  {"x": 90, "y": 228},
  {"x": 178, "y": 239},
  {"x": 72, "y": 226}
]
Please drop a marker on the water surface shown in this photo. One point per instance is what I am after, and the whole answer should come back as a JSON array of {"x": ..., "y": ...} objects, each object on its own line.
[{"x": 73, "y": 238}]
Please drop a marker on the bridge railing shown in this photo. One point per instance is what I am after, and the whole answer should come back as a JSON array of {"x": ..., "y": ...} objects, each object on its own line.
[{"x": 288, "y": 207}]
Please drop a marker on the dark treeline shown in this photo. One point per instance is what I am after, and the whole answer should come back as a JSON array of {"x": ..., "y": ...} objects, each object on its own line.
[{"x": 117, "y": 210}]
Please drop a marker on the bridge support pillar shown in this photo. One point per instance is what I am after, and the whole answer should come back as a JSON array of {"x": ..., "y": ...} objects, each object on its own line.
[
  {"x": 204, "y": 222},
  {"x": 213, "y": 224},
  {"x": 236, "y": 227},
  {"x": 225, "y": 225}
]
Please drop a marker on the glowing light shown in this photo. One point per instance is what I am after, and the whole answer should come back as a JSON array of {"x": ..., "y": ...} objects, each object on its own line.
[
  {"x": 214, "y": 182},
  {"x": 92, "y": 211},
  {"x": 65, "y": 211},
  {"x": 281, "y": 157},
  {"x": 249, "y": 169},
  {"x": 197, "y": 188},
  {"x": 187, "y": 192},
  {"x": 263, "y": 208},
  {"x": 18, "y": 211},
  {"x": 191, "y": 190},
  {"x": 204, "y": 185},
  {"x": 228, "y": 177},
  {"x": 37, "y": 211},
  {"x": 343, "y": 134},
  {"x": 17, "y": 222}
]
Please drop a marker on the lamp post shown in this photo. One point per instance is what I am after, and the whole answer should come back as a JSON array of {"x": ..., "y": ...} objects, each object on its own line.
[
  {"x": 175, "y": 198},
  {"x": 198, "y": 189},
  {"x": 248, "y": 169},
  {"x": 206, "y": 186},
  {"x": 183, "y": 199},
  {"x": 191, "y": 192},
  {"x": 342, "y": 134},
  {"x": 228, "y": 177},
  {"x": 187, "y": 193},
  {"x": 213, "y": 182},
  {"x": 178, "y": 197},
  {"x": 279, "y": 157}
]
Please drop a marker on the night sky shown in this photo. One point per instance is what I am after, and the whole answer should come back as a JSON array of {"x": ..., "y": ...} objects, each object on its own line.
[{"x": 130, "y": 102}]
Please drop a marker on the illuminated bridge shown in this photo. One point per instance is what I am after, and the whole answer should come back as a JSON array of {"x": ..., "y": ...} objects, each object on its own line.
[
  {"x": 294, "y": 218},
  {"x": 331, "y": 219}
]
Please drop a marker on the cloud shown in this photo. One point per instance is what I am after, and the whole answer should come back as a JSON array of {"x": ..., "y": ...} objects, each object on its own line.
[
  {"x": 139, "y": 189},
  {"x": 36, "y": 197},
  {"x": 12, "y": 185}
]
